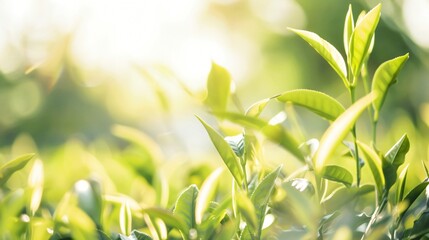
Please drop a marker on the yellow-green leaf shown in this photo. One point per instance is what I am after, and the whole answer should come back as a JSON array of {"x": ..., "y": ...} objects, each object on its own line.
[
  {"x": 125, "y": 218},
  {"x": 10, "y": 167},
  {"x": 227, "y": 154},
  {"x": 185, "y": 206},
  {"x": 206, "y": 194},
  {"x": 361, "y": 39},
  {"x": 260, "y": 197},
  {"x": 338, "y": 130},
  {"x": 256, "y": 109},
  {"x": 375, "y": 164},
  {"x": 218, "y": 88},
  {"x": 349, "y": 26},
  {"x": 247, "y": 210},
  {"x": 401, "y": 185},
  {"x": 275, "y": 133},
  {"x": 384, "y": 77},
  {"x": 168, "y": 218},
  {"x": 343, "y": 195},
  {"x": 327, "y": 51},
  {"x": 337, "y": 174},
  {"x": 315, "y": 101}
]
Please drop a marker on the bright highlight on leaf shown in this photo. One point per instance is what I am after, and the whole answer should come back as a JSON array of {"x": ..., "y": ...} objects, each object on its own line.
[
  {"x": 327, "y": 51},
  {"x": 125, "y": 218},
  {"x": 35, "y": 184},
  {"x": 206, "y": 194},
  {"x": 315, "y": 101},
  {"x": 339, "y": 130}
]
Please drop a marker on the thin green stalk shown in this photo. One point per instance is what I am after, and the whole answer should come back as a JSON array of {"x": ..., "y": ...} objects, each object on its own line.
[
  {"x": 353, "y": 99},
  {"x": 365, "y": 80}
]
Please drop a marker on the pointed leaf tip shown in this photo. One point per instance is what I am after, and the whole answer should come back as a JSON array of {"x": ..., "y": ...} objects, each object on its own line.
[{"x": 327, "y": 51}]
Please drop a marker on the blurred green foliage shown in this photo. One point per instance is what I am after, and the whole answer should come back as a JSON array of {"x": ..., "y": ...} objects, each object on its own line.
[{"x": 74, "y": 117}]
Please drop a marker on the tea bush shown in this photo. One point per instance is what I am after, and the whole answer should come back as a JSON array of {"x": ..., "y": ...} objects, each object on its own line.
[{"x": 340, "y": 186}]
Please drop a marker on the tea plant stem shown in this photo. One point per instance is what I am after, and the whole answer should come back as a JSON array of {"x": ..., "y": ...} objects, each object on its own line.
[
  {"x": 365, "y": 81},
  {"x": 353, "y": 99}
]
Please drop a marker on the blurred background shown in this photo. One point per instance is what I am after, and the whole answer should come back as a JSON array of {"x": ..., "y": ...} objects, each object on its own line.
[{"x": 73, "y": 69}]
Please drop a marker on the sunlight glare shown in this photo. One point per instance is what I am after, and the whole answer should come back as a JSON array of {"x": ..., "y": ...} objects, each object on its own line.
[{"x": 416, "y": 18}]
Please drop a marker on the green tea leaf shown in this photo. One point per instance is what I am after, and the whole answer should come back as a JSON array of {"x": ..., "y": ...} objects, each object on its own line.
[
  {"x": 256, "y": 109},
  {"x": 185, "y": 206},
  {"x": 275, "y": 133},
  {"x": 413, "y": 195},
  {"x": 135, "y": 235},
  {"x": 343, "y": 195},
  {"x": 361, "y": 39},
  {"x": 401, "y": 185},
  {"x": 261, "y": 195},
  {"x": 243, "y": 120},
  {"x": 10, "y": 167},
  {"x": 227, "y": 231},
  {"x": 393, "y": 159},
  {"x": 237, "y": 144},
  {"x": 125, "y": 218},
  {"x": 216, "y": 214},
  {"x": 338, "y": 130},
  {"x": 218, "y": 88},
  {"x": 327, "y": 51},
  {"x": 169, "y": 219},
  {"x": 337, "y": 174},
  {"x": 263, "y": 190},
  {"x": 384, "y": 77},
  {"x": 317, "y": 102},
  {"x": 247, "y": 210},
  {"x": 420, "y": 227},
  {"x": 206, "y": 194},
  {"x": 375, "y": 164},
  {"x": 349, "y": 26},
  {"x": 228, "y": 156}
]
